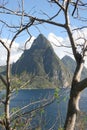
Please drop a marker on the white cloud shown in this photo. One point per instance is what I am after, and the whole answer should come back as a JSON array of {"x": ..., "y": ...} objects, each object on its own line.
[
  {"x": 2, "y": 55},
  {"x": 16, "y": 50},
  {"x": 80, "y": 33},
  {"x": 15, "y": 53},
  {"x": 30, "y": 42},
  {"x": 58, "y": 44},
  {"x": 56, "y": 41}
]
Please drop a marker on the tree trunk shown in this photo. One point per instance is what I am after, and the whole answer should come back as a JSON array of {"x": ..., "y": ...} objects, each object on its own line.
[
  {"x": 8, "y": 94},
  {"x": 73, "y": 109},
  {"x": 7, "y": 112},
  {"x": 73, "y": 104}
]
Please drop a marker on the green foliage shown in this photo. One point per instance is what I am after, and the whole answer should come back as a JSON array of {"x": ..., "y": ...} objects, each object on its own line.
[
  {"x": 2, "y": 116},
  {"x": 42, "y": 111},
  {"x": 65, "y": 98},
  {"x": 56, "y": 94},
  {"x": 85, "y": 119},
  {"x": 13, "y": 110},
  {"x": 60, "y": 128}
]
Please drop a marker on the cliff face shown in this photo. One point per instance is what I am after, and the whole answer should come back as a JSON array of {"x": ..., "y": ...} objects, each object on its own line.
[{"x": 41, "y": 61}]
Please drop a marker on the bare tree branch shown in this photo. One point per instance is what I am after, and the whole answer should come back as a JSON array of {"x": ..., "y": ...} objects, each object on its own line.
[
  {"x": 75, "y": 8},
  {"x": 4, "y": 45},
  {"x": 24, "y": 28},
  {"x": 43, "y": 102}
]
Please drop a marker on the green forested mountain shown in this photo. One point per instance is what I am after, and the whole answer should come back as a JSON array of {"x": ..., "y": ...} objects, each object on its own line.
[{"x": 42, "y": 62}]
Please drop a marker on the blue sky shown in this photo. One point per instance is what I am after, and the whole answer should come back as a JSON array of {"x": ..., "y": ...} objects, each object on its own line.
[{"x": 37, "y": 8}]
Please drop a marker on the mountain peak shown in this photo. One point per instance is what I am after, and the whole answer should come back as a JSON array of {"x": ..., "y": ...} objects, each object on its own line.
[
  {"x": 40, "y": 36},
  {"x": 41, "y": 61},
  {"x": 41, "y": 42}
]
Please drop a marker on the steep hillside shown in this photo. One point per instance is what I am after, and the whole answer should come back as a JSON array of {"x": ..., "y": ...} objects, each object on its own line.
[
  {"x": 3, "y": 69},
  {"x": 41, "y": 61}
]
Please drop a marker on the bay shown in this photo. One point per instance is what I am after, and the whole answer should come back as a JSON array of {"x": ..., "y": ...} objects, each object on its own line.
[{"x": 54, "y": 113}]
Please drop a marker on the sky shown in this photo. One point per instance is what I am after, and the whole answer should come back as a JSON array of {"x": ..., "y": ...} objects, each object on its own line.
[{"x": 37, "y": 8}]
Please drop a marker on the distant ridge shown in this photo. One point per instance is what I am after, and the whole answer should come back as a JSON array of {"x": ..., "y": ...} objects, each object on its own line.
[{"x": 71, "y": 65}]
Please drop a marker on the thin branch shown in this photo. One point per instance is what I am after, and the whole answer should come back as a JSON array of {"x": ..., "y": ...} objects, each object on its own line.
[
  {"x": 11, "y": 12},
  {"x": 1, "y": 29},
  {"x": 30, "y": 36},
  {"x": 61, "y": 45},
  {"x": 52, "y": 17},
  {"x": 55, "y": 15},
  {"x": 9, "y": 26},
  {"x": 2, "y": 122},
  {"x": 3, "y": 43},
  {"x": 76, "y": 4},
  {"x": 44, "y": 103},
  {"x": 27, "y": 82},
  {"x": 58, "y": 3},
  {"x": 48, "y": 21},
  {"x": 79, "y": 28},
  {"x": 22, "y": 13},
  {"x": 81, "y": 3},
  {"x": 24, "y": 28},
  {"x": 2, "y": 101},
  {"x": 52, "y": 127}
]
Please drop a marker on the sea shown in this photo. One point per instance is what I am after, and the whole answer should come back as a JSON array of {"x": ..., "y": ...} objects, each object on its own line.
[{"x": 46, "y": 108}]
